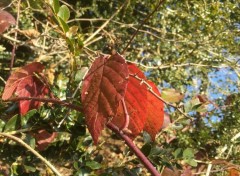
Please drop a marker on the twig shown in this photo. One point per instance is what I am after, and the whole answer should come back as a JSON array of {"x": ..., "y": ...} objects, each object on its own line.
[
  {"x": 73, "y": 95},
  {"x": 177, "y": 65},
  {"x": 104, "y": 24},
  {"x": 48, "y": 100},
  {"x": 135, "y": 150},
  {"x": 15, "y": 36},
  {"x": 20, "y": 141},
  {"x": 93, "y": 41},
  {"x": 141, "y": 25}
]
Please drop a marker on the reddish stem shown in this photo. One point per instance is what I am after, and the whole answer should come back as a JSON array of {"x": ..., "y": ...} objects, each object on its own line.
[
  {"x": 49, "y": 100},
  {"x": 126, "y": 123},
  {"x": 135, "y": 150}
]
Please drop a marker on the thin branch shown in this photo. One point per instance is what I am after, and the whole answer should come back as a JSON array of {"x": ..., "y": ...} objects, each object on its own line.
[
  {"x": 141, "y": 25},
  {"x": 73, "y": 96},
  {"x": 177, "y": 65},
  {"x": 20, "y": 141},
  {"x": 104, "y": 24},
  {"x": 15, "y": 36},
  {"x": 48, "y": 100},
  {"x": 135, "y": 150}
]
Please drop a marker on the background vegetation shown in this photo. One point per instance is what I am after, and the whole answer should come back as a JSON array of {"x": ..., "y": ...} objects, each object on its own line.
[{"x": 191, "y": 46}]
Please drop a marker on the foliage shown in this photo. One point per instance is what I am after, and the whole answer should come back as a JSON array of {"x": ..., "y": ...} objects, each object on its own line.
[{"x": 189, "y": 48}]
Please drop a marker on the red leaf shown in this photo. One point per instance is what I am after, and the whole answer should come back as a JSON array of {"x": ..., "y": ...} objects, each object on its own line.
[
  {"x": 6, "y": 19},
  {"x": 44, "y": 138},
  {"x": 103, "y": 88},
  {"x": 25, "y": 83},
  {"x": 31, "y": 86},
  {"x": 135, "y": 100},
  {"x": 155, "y": 112}
]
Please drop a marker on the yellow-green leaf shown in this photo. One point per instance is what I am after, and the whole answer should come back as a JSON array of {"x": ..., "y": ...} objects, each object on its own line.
[{"x": 172, "y": 95}]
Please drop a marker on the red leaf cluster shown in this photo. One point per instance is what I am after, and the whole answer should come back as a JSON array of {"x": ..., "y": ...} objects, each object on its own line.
[
  {"x": 110, "y": 85},
  {"x": 26, "y": 82}
]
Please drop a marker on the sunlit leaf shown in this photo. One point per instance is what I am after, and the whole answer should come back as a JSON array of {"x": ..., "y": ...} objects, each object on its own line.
[
  {"x": 55, "y": 5},
  {"x": 172, "y": 95},
  {"x": 64, "y": 13},
  {"x": 103, "y": 88},
  {"x": 24, "y": 82},
  {"x": 136, "y": 103}
]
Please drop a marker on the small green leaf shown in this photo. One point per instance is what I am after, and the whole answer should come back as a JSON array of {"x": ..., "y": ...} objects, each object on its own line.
[
  {"x": 191, "y": 162},
  {"x": 72, "y": 31},
  {"x": 192, "y": 105},
  {"x": 12, "y": 123},
  {"x": 146, "y": 137},
  {"x": 80, "y": 74},
  {"x": 25, "y": 118},
  {"x": 63, "y": 25},
  {"x": 172, "y": 95},
  {"x": 30, "y": 140},
  {"x": 177, "y": 126},
  {"x": 2, "y": 124},
  {"x": 93, "y": 165},
  {"x": 64, "y": 13},
  {"x": 156, "y": 150},
  {"x": 29, "y": 169},
  {"x": 188, "y": 153},
  {"x": 55, "y": 5},
  {"x": 146, "y": 149},
  {"x": 2, "y": 48},
  {"x": 177, "y": 153}
]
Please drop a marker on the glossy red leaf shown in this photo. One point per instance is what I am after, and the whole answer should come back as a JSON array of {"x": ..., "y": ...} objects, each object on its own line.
[
  {"x": 155, "y": 112},
  {"x": 6, "y": 19},
  {"x": 136, "y": 101},
  {"x": 103, "y": 88},
  {"x": 24, "y": 83}
]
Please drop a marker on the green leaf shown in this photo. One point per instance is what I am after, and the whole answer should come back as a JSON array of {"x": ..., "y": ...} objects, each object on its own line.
[
  {"x": 188, "y": 153},
  {"x": 25, "y": 118},
  {"x": 80, "y": 74},
  {"x": 64, "y": 26},
  {"x": 146, "y": 137},
  {"x": 64, "y": 13},
  {"x": 156, "y": 150},
  {"x": 72, "y": 32},
  {"x": 12, "y": 123},
  {"x": 172, "y": 96},
  {"x": 191, "y": 162},
  {"x": 55, "y": 5},
  {"x": 2, "y": 124},
  {"x": 177, "y": 153},
  {"x": 93, "y": 165},
  {"x": 177, "y": 126},
  {"x": 29, "y": 168},
  {"x": 146, "y": 149},
  {"x": 30, "y": 140}
]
